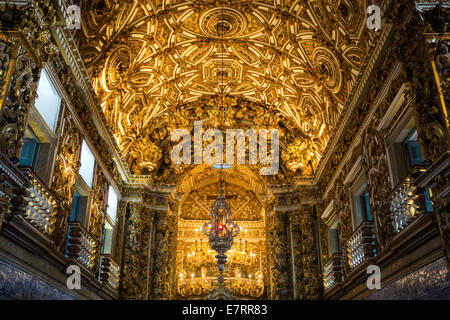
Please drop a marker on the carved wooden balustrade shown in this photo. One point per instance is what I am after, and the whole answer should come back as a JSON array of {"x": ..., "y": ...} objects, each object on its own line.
[
  {"x": 403, "y": 206},
  {"x": 12, "y": 184},
  {"x": 361, "y": 244},
  {"x": 332, "y": 271},
  {"x": 81, "y": 245},
  {"x": 109, "y": 271},
  {"x": 41, "y": 205}
]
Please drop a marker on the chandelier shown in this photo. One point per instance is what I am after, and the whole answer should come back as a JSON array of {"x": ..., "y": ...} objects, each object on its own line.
[{"x": 221, "y": 231}]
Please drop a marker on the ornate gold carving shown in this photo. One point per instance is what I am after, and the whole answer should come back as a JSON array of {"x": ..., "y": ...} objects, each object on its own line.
[
  {"x": 379, "y": 183},
  {"x": 64, "y": 175},
  {"x": 7, "y": 47},
  {"x": 18, "y": 102},
  {"x": 98, "y": 210},
  {"x": 243, "y": 203},
  {"x": 306, "y": 76},
  {"x": 135, "y": 260},
  {"x": 312, "y": 282},
  {"x": 98, "y": 207}
]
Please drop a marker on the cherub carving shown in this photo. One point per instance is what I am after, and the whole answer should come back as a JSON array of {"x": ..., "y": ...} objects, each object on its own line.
[
  {"x": 4, "y": 62},
  {"x": 443, "y": 61}
]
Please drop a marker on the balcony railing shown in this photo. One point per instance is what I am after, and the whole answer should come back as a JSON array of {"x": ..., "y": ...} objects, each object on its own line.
[
  {"x": 81, "y": 246},
  {"x": 109, "y": 271},
  {"x": 41, "y": 206},
  {"x": 332, "y": 271},
  {"x": 403, "y": 207},
  {"x": 361, "y": 245}
]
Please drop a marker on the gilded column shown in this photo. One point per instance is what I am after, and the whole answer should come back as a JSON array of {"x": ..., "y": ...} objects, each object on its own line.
[
  {"x": 311, "y": 274},
  {"x": 295, "y": 253},
  {"x": 164, "y": 272},
  {"x": 98, "y": 212},
  {"x": 278, "y": 265},
  {"x": 133, "y": 279},
  {"x": 67, "y": 164},
  {"x": 150, "y": 223},
  {"x": 322, "y": 235},
  {"x": 120, "y": 231}
]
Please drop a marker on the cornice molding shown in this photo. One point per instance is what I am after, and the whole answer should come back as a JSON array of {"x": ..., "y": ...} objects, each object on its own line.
[
  {"x": 369, "y": 117},
  {"x": 333, "y": 144},
  {"x": 72, "y": 57}
]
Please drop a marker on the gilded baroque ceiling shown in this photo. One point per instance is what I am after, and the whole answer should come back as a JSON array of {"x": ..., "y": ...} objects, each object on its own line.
[{"x": 148, "y": 59}]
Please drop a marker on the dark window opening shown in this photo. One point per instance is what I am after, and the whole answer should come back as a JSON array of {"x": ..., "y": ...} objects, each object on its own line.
[
  {"x": 35, "y": 154},
  {"x": 365, "y": 206},
  {"x": 79, "y": 208},
  {"x": 412, "y": 151},
  {"x": 334, "y": 241},
  {"x": 428, "y": 203}
]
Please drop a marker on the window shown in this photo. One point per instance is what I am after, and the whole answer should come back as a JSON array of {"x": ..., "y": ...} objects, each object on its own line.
[
  {"x": 403, "y": 149},
  {"x": 412, "y": 151},
  {"x": 87, "y": 164},
  {"x": 110, "y": 221},
  {"x": 405, "y": 153},
  {"x": 362, "y": 205},
  {"x": 48, "y": 101},
  {"x": 333, "y": 239},
  {"x": 37, "y": 151},
  {"x": 30, "y": 150},
  {"x": 365, "y": 205},
  {"x": 428, "y": 203},
  {"x": 112, "y": 204},
  {"x": 108, "y": 238},
  {"x": 360, "y": 202},
  {"x": 80, "y": 203},
  {"x": 39, "y": 146}
]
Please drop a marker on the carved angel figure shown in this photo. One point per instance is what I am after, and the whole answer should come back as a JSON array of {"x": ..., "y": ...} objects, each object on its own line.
[
  {"x": 8, "y": 139},
  {"x": 443, "y": 60},
  {"x": 4, "y": 61}
]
